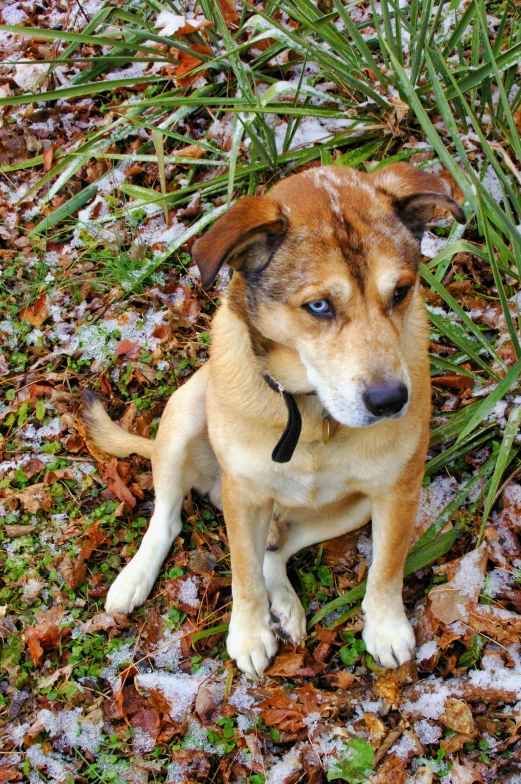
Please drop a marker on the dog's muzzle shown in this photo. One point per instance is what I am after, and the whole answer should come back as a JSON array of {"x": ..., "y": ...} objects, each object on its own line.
[{"x": 385, "y": 398}]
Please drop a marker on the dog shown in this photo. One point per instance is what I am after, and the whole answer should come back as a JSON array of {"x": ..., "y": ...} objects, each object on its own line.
[{"x": 311, "y": 416}]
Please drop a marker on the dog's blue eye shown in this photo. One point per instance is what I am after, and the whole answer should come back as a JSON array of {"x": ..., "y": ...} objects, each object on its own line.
[{"x": 321, "y": 308}]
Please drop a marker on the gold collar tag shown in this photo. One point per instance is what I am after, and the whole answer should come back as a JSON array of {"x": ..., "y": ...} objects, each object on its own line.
[{"x": 326, "y": 428}]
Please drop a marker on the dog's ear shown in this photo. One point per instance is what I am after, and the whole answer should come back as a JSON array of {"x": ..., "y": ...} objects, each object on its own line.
[
  {"x": 252, "y": 221},
  {"x": 415, "y": 193}
]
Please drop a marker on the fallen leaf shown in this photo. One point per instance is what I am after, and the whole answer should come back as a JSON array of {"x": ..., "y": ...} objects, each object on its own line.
[
  {"x": 187, "y": 63},
  {"x": 12, "y": 531},
  {"x": 103, "y": 622},
  {"x": 376, "y": 727},
  {"x": 448, "y": 602},
  {"x": 205, "y": 705},
  {"x": 286, "y": 665},
  {"x": 35, "y": 497},
  {"x": 116, "y": 484},
  {"x": 503, "y": 625},
  {"x": 458, "y": 717},
  {"x": 229, "y": 12},
  {"x": 47, "y": 158},
  {"x": 37, "y": 313},
  {"x": 391, "y": 772},
  {"x": 460, "y": 774},
  {"x": 45, "y": 634}
]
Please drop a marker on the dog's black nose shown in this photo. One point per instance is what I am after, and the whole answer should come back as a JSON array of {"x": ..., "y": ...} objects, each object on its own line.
[{"x": 385, "y": 398}]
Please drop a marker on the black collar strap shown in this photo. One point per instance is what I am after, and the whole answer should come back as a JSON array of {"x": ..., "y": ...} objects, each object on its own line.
[{"x": 287, "y": 443}]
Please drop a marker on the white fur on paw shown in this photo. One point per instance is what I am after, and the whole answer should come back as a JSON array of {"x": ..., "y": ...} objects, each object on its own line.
[
  {"x": 129, "y": 589},
  {"x": 389, "y": 640},
  {"x": 251, "y": 643},
  {"x": 287, "y": 614}
]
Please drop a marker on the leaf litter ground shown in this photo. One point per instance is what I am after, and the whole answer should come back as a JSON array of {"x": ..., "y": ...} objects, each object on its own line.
[{"x": 99, "y": 292}]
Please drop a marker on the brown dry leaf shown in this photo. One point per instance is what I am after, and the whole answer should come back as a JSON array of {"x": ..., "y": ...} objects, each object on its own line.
[
  {"x": 460, "y": 774},
  {"x": 62, "y": 672},
  {"x": 10, "y": 773},
  {"x": 205, "y": 705},
  {"x": 195, "y": 764},
  {"x": 391, "y": 772},
  {"x": 103, "y": 622},
  {"x": 229, "y": 11},
  {"x": 279, "y": 710},
  {"x": 456, "y": 742},
  {"x": 128, "y": 348},
  {"x": 74, "y": 572},
  {"x": 187, "y": 63},
  {"x": 448, "y": 602},
  {"x": 47, "y": 158},
  {"x": 376, "y": 729},
  {"x": 12, "y": 531},
  {"x": 45, "y": 634},
  {"x": 127, "y": 420},
  {"x": 453, "y": 382},
  {"x": 389, "y": 684},
  {"x": 116, "y": 485},
  {"x": 192, "y": 151},
  {"x": 287, "y": 664},
  {"x": 503, "y": 625},
  {"x": 35, "y": 497},
  {"x": 37, "y": 313},
  {"x": 148, "y": 721},
  {"x": 458, "y": 717}
]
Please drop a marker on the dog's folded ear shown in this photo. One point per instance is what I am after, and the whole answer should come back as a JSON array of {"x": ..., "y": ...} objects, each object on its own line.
[
  {"x": 252, "y": 221},
  {"x": 415, "y": 194}
]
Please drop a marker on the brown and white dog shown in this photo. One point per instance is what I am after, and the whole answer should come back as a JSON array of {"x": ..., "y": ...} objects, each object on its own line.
[{"x": 324, "y": 309}]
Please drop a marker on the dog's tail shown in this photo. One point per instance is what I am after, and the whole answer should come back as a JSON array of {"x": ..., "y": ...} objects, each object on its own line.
[{"x": 107, "y": 435}]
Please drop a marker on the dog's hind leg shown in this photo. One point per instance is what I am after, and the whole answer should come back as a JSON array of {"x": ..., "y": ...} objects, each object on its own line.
[
  {"x": 286, "y": 610},
  {"x": 182, "y": 459}
]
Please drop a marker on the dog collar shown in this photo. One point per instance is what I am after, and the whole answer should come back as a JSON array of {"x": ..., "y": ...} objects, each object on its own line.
[{"x": 287, "y": 443}]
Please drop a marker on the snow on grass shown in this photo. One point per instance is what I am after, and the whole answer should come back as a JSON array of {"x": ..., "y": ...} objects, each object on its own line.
[{"x": 434, "y": 498}]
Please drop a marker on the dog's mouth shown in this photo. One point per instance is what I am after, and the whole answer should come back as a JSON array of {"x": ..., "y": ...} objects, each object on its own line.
[{"x": 360, "y": 409}]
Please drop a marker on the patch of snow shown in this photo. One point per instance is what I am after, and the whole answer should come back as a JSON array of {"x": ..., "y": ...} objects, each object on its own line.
[
  {"x": 431, "y": 245},
  {"x": 492, "y": 184},
  {"x": 68, "y": 728},
  {"x": 188, "y": 592},
  {"x": 427, "y": 733},
  {"x": 430, "y": 704},
  {"x": 285, "y": 768},
  {"x": 403, "y": 747},
  {"x": 427, "y": 650}
]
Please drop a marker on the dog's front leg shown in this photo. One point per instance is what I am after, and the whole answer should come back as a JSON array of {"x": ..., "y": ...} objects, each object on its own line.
[
  {"x": 251, "y": 641},
  {"x": 387, "y": 633}
]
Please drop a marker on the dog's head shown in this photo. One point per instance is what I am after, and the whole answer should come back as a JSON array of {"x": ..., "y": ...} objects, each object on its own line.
[{"x": 330, "y": 259}]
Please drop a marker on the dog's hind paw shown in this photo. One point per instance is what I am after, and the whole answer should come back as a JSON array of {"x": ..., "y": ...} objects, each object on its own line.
[
  {"x": 287, "y": 614},
  {"x": 129, "y": 590},
  {"x": 389, "y": 640},
  {"x": 252, "y": 644}
]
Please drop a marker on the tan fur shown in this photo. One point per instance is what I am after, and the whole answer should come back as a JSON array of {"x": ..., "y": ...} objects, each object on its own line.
[{"x": 350, "y": 238}]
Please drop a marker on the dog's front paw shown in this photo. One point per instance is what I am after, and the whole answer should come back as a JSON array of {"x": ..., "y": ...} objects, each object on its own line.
[
  {"x": 129, "y": 590},
  {"x": 389, "y": 638},
  {"x": 251, "y": 643},
  {"x": 287, "y": 614}
]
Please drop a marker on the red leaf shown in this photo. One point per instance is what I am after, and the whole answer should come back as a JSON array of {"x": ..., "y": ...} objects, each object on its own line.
[{"x": 116, "y": 484}]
